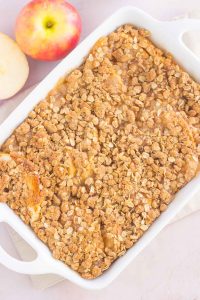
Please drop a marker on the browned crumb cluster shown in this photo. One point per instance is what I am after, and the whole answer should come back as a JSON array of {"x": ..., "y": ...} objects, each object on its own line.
[{"x": 99, "y": 159}]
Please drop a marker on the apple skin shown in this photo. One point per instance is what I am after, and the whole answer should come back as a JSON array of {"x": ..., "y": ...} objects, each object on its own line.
[{"x": 48, "y": 29}]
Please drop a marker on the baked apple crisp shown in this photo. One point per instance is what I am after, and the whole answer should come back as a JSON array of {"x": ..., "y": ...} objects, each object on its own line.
[{"x": 98, "y": 160}]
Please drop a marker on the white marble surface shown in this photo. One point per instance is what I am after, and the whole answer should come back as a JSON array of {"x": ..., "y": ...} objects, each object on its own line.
[{"x": 169, "y": 268}]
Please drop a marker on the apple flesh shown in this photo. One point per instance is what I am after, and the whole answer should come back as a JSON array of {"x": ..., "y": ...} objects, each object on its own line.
[
  {"x": 28, "y": 179},
  {"x": 48, "y": 29},
  {"x": 14, "y": 67}
]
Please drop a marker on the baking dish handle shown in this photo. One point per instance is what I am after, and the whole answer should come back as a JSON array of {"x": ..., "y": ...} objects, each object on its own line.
[
  {"x": 37, "y": 266},
  {"x": 173, "y": 41},
  {"x": 181, "y": 26}
]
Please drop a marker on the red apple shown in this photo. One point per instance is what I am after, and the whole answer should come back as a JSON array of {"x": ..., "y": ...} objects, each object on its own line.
[{"x": 48, "y": 29}]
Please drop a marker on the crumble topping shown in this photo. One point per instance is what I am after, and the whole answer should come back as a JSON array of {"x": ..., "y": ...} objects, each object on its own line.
[{"x": 98, "y": 160}]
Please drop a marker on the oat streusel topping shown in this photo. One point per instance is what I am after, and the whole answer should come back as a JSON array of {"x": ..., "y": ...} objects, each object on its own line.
[{"x": 98, "y": 160}]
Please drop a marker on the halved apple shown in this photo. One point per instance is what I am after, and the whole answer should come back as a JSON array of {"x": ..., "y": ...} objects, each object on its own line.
[{"x": 14, "y": 67}]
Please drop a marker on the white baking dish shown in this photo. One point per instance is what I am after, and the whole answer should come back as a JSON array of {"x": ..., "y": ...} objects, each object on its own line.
[{"x": 167, "y": 35}]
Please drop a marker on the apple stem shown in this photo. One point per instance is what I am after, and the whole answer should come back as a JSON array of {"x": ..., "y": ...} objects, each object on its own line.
[{"x": 49, "y": 24}]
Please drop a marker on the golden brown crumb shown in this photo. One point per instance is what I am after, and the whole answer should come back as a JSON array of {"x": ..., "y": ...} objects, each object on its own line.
[{"x": 98, "y": 160}]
